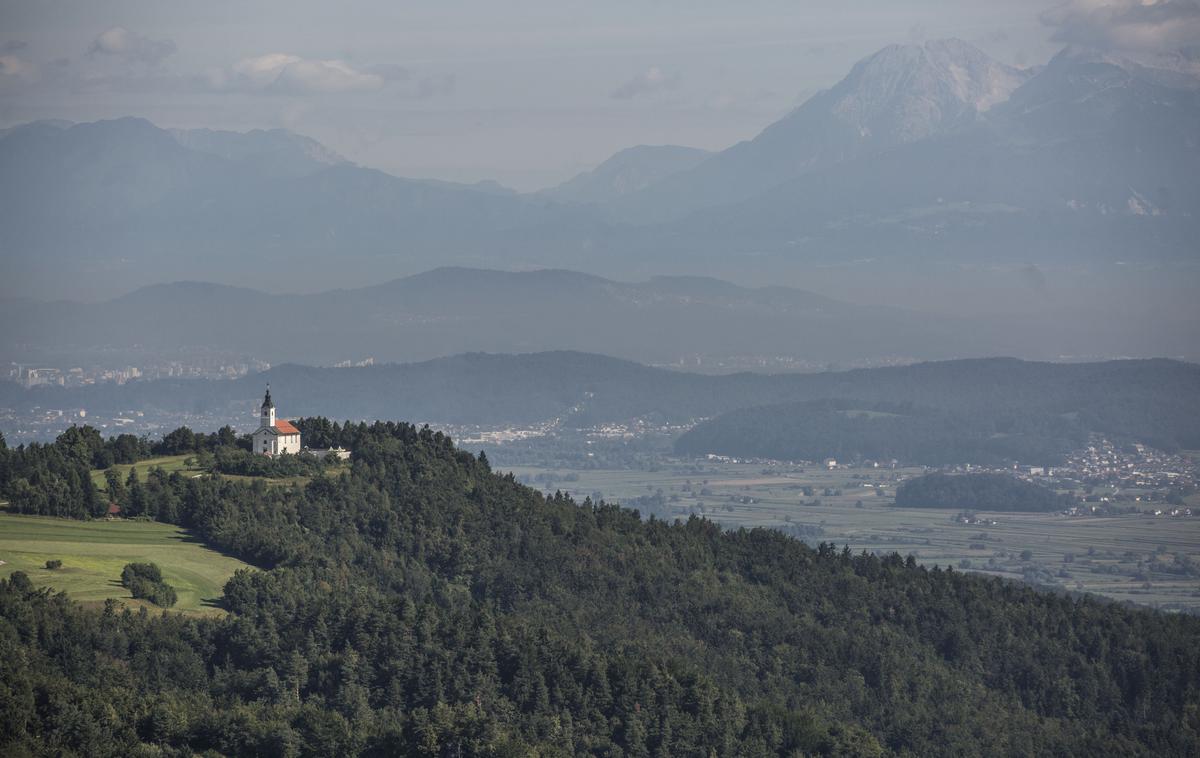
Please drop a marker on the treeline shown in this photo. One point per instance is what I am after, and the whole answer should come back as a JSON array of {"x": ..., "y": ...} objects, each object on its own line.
[
  {"x": 979, "y": 492},
  {"x": 851, "y": 430},
  {"x": 55, "y": 479},
  {"x": 236, "y": 460},
  {"x": 419, "y": 604}
]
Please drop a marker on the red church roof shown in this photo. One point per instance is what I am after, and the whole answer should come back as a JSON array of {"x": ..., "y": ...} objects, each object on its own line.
[{"x": 285, "y": 427}]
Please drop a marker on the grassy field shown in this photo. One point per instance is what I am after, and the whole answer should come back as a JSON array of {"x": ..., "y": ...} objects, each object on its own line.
[
  {"x": 178, "y": 463},
  {"x": 1104, "y": 555},
  {"x": 94, "y": 552},
  {"x": 168, "y": 463}
]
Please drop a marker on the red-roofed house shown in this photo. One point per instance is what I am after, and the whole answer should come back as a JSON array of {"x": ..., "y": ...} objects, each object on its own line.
[{"x": 274, "y": 437}]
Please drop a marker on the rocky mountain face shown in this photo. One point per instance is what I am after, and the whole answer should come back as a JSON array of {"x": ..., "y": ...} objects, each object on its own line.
[
  {"x": 902, "y": 94},
  {"x": 905, "y": 93},
  {"x": 949, "y": 157}
]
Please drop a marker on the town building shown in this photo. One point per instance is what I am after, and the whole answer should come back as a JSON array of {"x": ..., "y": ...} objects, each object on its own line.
[{"x": 274, "y": 436}]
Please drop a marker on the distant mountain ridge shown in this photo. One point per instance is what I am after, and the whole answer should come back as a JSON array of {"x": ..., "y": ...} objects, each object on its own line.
[
  {"x": 928, "y": 155},
  {"x": 451, "y": 310},
  {"x": 703, "y": 323},
  {"x": 126, "y": 196},
  {"x": 275, "y": 149}
]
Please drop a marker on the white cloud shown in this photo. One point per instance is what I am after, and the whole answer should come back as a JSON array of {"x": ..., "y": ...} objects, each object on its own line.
[
  {"x": 291, "y": 74},
  {"x": 1153, "y": 26},
  {"x": 652, "y": 79},
  {"x": 119, "y": 42}
]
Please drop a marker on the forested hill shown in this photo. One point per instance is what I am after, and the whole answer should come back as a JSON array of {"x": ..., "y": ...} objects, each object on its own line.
[
  {"x": 853, "y": 430},
  {"x": 422, "y": 605},
  {"x": 979, "y": 492},
  {"x": 1155, "y": 401},
  {"x": 987, "y": 411}
]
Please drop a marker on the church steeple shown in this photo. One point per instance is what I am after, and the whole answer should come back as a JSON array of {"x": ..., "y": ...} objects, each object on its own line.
[{"x": 268, "y": 409}]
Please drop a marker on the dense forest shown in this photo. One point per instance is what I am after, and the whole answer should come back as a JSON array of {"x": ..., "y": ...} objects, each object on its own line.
[
  {"x": 1156, "y": 402},
  {"x": 420, "y": 604},
  {"x": 979, "y": 492}
]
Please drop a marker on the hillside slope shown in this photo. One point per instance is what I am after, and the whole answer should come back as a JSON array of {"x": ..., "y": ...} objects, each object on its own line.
[
  {"x": 423, "y": 601},
  {"x": 628, "y": 171}
]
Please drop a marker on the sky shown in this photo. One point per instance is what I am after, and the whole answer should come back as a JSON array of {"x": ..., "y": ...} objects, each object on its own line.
[{"x": 527, "y": 93}]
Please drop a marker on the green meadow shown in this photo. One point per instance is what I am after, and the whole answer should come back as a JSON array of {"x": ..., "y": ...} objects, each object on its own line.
[
  {"x": 179, "y": 464},
  {"x": 94, "y": 552},
  {"x": 168, "y": 463}
]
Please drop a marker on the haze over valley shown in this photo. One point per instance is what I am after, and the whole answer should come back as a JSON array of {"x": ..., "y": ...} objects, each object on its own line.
[{"x": 559, "y": 378}]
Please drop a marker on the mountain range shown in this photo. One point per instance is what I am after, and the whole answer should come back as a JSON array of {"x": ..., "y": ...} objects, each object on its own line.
[
  {"x": 927, "y": 154},
  {"x": 700, "y": 323},
  {"x": 667, "y": 320}
]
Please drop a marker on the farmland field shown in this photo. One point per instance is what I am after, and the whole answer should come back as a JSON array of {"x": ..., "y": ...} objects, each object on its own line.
[
  {"x": 94, "y": 552},
  {"x": 1112, "y": 556}
]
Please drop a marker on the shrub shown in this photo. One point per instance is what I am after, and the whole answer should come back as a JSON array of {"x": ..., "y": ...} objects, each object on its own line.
[
  {"x": 144, "y": 581},
  {"x": 146, "y": 571},
  {"x": 54, "y": 564}
]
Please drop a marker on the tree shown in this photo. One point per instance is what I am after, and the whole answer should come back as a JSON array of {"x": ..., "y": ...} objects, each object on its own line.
[
  {"x": 114, "y": 485},
  {"x": 81, "y": 444},
  {"x": 182, "y": 440},
  {"x": 225, "y": 437},
  {"x": 135, "y": 500}
]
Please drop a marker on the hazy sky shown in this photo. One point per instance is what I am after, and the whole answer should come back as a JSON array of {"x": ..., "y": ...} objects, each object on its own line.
[{"x": 528, "y": 93}]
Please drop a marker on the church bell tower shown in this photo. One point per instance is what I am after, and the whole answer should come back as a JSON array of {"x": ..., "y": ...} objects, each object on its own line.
[{"x": 268, "y": 409}]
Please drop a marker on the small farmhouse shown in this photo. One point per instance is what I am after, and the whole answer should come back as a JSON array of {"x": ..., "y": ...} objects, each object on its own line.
[{"x": 274, "y": 437}]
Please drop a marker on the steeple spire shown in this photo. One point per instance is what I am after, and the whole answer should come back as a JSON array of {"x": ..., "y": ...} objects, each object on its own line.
[{"x": 267, "y": 413}]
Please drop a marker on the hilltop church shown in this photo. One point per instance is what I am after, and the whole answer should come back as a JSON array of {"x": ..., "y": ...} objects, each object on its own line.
[{"x": 274, "y": 437}]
